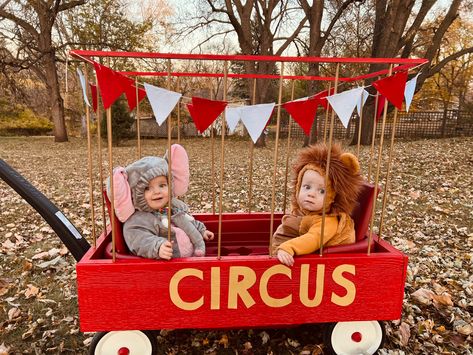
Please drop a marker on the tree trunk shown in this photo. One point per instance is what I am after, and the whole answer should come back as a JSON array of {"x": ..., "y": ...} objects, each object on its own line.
[{"x": 55, "y": 100}]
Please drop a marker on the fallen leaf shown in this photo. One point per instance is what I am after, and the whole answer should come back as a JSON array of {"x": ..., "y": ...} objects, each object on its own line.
[
  {"x": 224, "y": 340},
  {"x": 442, "y": 300},
  {"x": 4, "y": 286},
  {"x": 42, "y": 255},
  {"x": 13, "y": 313},
  {"x": 47, "y": 264},
  {"x": 264, "y": 337},
  {"x": 31, "y": 291},
  {"x": 404, "y": 333},
  {"x": 466, "y": 329},
  {"x": 4, "y": 350},
  {"x": 292, "y": 342},
  {"x": 423, "y": 296},
  {"x": 27, "y": 266}
]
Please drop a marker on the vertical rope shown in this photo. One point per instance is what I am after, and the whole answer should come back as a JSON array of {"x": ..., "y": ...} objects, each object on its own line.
[
  {"x": 66, "y": 74},
  {"x": 273, "y": 192},
  {"x": 112, "y": 192},
  {"x": 386, "y": 184},
  {"x": 378, "y": 168},
  {"x": 373, "y": 136},
  {"x": 252, "y": 151},
  {"x": 99, "y": 149},
  {"x": 329, "y": 155},
  {"x": 222, "y": 162},
  {"x": 169, "y": 122},
  {"x": 326, "y": 113},
  {"x": 212, "y": 154},
  {"x": 178, "y": 88},
  {"x": 89, "y": 161},
  {"x": 288, "y": 151},
  {"x": 360, "y": 124},
  {"x": 138, "y": 125}
]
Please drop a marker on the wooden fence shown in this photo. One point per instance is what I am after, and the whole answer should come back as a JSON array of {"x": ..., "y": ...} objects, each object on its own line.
[{"x": 412, "y": 125}]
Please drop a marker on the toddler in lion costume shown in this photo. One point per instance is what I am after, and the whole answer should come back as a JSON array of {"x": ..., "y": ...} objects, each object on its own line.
[{"x": 300, "y": 231}]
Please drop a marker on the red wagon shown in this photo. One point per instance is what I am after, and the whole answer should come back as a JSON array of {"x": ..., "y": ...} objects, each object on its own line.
[{"x": 351, "y": 288}]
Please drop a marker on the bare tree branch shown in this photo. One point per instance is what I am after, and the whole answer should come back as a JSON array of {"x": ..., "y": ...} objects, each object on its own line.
[{"x": 436, "y": 68}]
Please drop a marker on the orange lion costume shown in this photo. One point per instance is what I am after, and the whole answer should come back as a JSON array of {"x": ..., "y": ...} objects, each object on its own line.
[{"x": 300, "y": 231}]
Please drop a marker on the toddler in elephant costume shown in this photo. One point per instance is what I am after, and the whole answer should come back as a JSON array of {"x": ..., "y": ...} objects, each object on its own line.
[{"x": 142, "y": 200}]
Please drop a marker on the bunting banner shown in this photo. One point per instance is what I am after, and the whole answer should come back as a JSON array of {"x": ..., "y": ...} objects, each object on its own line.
[
  {"x": 322, "y": 97},
  {"x": 303, "y": 111},
  {"x": 255, "y": 118},
  {"x": 204, "y": 112},
  {"x": 344, "y": 103},
  {"x": 361, "y": 103},
  {"x": 410, "y": 90},
  {"x": 162, "y": 101},
  {"x": 84, "y": 87},
  {"x": 232, "y": 115},
  {"x": 109, "y": 84},
  {"x": 380, "y": 107},
  {"x": 93, "y": 91},
  {"x": 393, "y": 88},
  {"x": 130, "y": 93}
]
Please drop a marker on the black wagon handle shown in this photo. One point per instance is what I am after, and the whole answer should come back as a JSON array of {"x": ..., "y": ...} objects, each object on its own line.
[{"x": 69, "y": 235}]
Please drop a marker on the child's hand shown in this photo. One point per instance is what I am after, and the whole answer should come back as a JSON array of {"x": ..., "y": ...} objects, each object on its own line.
[
  {"x": 208, "y": 235},
  {"x": 165, "y": 250},
  {"x": 285, "y": 258}
]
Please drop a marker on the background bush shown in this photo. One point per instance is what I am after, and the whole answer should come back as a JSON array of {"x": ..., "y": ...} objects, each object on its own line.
[
  {"x": 121, "y": 122},
  {"x": 16, "y": 119}
]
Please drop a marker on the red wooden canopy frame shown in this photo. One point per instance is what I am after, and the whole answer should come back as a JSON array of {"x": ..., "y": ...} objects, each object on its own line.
[{"x": 403, "y": 64}]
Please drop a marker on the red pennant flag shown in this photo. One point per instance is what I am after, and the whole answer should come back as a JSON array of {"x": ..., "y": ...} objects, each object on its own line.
[
  {"x": 322, "y": 97},
  {"x": 204, "y": 112},
  {"x": 303, "y": 112},
  {"x": 109, "y": 84},
  {"x": 130, "y": 91},
  {"x": 380, "y": 107},
  {"x": 93, "y": 91},
  {"x": 393, "y": 88}
]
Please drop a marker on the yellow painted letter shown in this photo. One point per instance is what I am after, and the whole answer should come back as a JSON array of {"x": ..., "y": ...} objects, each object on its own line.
[
  {"x": 174, "y": 289},
  {"x": 304, "y": 285},
  {"x": 263, "y": 286},
  {"x": 240, "y": 287},
  {"x": 337, "y": 276},
  {"x": 215, "y": 288}
]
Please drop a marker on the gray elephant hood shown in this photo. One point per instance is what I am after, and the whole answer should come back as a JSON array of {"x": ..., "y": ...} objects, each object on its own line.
[{"x": 140, "y": 173}]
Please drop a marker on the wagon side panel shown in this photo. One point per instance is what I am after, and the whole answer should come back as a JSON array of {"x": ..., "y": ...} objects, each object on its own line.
[{"x": 238, "y": 292}]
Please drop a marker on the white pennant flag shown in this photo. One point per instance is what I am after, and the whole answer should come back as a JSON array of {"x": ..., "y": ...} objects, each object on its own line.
[
  {"x": 409, "y": 91},
  {"x": 84, "y": 87},
  {"x": 255, "y": 117},
  {"x": 232, "y": 115},
  {"x": 162, "y": 101},
  {"x": 344, "y": 103},
  {"x": 361, "y": 102}
]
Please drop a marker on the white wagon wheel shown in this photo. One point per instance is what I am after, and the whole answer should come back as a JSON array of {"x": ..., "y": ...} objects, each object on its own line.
[
  {"x": 128, "y": 342},
  {"x": 363, "y": 337}
]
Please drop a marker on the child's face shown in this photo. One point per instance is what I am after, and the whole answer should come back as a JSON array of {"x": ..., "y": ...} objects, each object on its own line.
[
  {"x": 312, "y": 191},
  {"x": 156, "y": 194}
]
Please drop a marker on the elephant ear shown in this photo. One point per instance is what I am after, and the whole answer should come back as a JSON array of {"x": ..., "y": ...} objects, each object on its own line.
[
  {"x": 179, "y": 169},
  {"x": 351, "y": 162},
  {"x": 123, "y": 203}
]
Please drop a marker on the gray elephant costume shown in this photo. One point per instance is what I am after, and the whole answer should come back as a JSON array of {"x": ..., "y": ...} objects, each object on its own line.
[{"x": 146, "y": 229}]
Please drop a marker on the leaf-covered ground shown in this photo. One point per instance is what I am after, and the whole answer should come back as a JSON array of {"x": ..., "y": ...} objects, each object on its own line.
[{"x": 429, "y": 216}]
